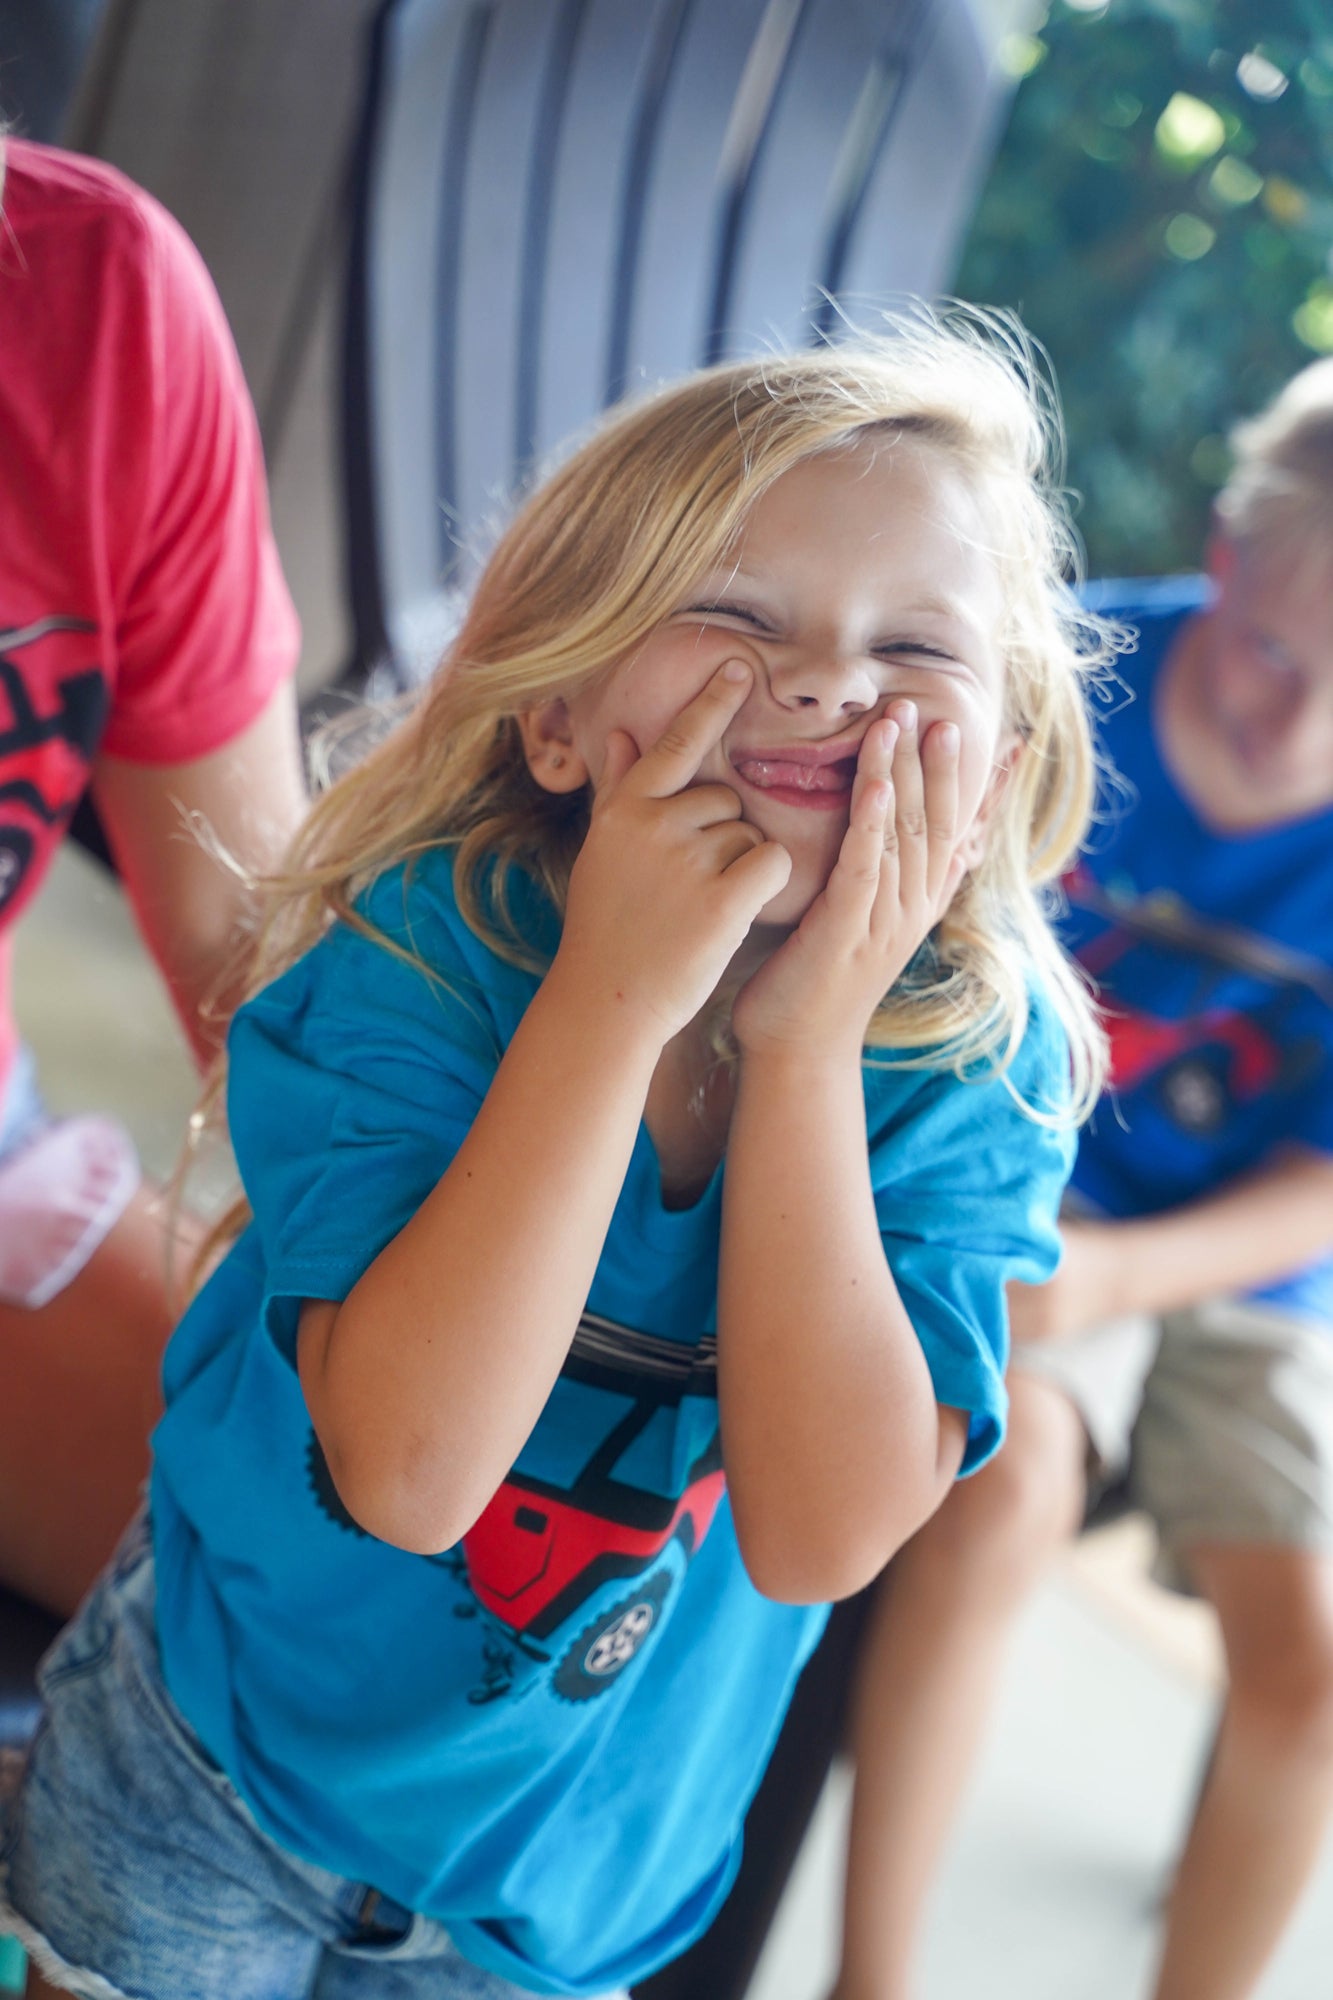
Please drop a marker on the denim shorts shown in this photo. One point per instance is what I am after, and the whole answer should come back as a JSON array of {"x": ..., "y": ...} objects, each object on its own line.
[{"x": 132, "y": 1870}]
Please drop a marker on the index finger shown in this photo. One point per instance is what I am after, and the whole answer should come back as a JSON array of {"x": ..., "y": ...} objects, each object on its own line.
[{"x": 681, "y": 748}]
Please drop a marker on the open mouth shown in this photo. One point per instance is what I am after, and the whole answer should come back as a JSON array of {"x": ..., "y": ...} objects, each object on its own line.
[{"x": 827, "y": 784}]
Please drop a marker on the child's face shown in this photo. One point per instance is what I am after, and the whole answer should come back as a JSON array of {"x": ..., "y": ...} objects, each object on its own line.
[
  {"x": 1266, "y": 675},
  {"x": 859, "y": 582}
]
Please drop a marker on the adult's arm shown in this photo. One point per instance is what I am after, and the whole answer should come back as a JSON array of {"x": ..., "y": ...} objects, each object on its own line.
[
  {"x": 202, "y": 734},
  {"x": 169, "y": 827}
]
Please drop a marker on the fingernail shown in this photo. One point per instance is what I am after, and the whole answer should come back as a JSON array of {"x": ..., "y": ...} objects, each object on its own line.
[
  {"x": 907, "y": 717},
  {"x": 735, "y": 670},
  {"x": 949, "y": 739}
]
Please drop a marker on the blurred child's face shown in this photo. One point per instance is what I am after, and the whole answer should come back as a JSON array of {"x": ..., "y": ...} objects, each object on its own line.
[
  {"x": 860, "y": 582},
  {"x": 1266, "y": 685}
]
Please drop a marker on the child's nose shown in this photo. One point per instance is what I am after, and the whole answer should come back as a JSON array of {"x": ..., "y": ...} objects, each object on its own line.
[{"x": 832, "y": 683}]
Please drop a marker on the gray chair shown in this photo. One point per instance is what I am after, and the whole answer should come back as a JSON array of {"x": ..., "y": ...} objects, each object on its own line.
[{"x": 558, "y": 201}]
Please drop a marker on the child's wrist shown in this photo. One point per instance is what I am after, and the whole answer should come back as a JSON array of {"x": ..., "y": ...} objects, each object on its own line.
[
  {"x": 603, "y": 1014},
  {"x": 797, "y": 1064}
]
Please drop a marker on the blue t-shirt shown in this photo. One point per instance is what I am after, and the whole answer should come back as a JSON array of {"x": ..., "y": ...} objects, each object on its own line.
[
  {"x": 1214, "y": 955},
  {"x": 547, "y": 1736}
]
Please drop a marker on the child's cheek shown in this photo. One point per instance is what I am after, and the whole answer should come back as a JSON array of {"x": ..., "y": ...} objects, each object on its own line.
[{"x": 665, "y": 679}]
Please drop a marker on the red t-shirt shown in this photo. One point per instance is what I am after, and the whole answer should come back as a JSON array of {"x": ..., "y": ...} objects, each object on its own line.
[{"x": 142, "y": 608}]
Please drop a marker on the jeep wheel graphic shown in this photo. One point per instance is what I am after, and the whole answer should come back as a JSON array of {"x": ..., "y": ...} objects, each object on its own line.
[{"x": 602, "y": 1651}]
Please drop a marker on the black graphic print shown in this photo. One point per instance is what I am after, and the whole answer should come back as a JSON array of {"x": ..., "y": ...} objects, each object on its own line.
[{"x": 45, "y": 751}]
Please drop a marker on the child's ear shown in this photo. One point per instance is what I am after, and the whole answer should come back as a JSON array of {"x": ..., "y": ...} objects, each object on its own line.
[
  {"x": 548, "y": 745},
  {"x": 973, "y": 845}
]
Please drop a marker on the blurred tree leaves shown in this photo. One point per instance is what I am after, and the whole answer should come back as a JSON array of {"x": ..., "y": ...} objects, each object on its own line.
[{"x": 1161, "y": 214}]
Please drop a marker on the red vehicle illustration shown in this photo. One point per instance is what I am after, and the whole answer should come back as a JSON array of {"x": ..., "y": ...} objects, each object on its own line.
[
  {"x": 1141, "y": 1045},
  {"x": 542, "y": 1548},
  {"x": 1213, "y": 1055}
]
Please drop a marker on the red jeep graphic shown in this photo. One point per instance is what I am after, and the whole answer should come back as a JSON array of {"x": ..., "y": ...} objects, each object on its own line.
[{"x": 540, "y": 1550}]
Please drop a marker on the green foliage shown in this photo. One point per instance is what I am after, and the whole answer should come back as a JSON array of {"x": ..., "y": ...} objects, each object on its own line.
[{"x": 1161, "y": 214}]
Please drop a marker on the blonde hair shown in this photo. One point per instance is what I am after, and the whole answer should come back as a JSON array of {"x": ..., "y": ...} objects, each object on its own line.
[
  {"x": 606, "y": 549},
  {"x": 1278, "y": 500}
]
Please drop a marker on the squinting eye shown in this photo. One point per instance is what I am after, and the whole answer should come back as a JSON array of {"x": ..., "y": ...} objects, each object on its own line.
[
  {"x": 741, "y": 611},
  {"x": 911, "y": 652}
]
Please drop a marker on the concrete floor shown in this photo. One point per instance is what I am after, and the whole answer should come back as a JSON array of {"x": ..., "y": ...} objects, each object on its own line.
[{"x": 1051, "y": 1889}]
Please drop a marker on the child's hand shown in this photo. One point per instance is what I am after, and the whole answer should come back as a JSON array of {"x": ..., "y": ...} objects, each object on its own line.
[
  {"x": 670, "y": 877},
  {"x": 896, "y": 873}
]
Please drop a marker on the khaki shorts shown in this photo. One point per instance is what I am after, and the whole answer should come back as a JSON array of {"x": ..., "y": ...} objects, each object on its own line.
[{"x": 1221, "y": 1416}]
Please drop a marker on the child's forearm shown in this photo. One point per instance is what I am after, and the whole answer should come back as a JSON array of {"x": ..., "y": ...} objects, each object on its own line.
[
  {"x": 836, "y": 1450},
  {"x": 1250, "y": 1232},
  {"x": 424, "y": 1384}
]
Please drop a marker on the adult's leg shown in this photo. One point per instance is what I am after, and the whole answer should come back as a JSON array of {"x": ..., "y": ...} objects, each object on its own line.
[
  {"x": 1269, "y": 1795},
  {"x": 929, "y": 1667},
  {"x": 80, "y": 1396}
]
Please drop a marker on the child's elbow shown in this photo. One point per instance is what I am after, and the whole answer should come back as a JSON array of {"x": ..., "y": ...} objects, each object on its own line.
[
  {"x": 397, "y": 1486},
  {"x": 795, "y": 1582},
  {"x": 390, "y": 1503},
  {"x": 811, "y": 1568}
]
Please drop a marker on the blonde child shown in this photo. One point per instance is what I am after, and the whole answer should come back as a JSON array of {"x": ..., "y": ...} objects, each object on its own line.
[
  {"x": 513, "y": 1452},
  {"x": 1188, "y": 1338}
]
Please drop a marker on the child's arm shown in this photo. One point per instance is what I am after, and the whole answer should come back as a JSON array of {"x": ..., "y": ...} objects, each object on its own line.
[
  {"x": 425, "y": 1382},
  {"x": 1254, "y": 1229},
  {"x": 836, "y": 1449}
]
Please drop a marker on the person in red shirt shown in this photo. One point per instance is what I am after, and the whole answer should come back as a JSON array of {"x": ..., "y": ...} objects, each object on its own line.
[{"x": 147, "y": 645}]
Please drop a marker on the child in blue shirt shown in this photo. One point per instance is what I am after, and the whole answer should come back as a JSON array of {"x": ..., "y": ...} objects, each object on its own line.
[
  {"x": 1188, "y": 1337},
  {"x": 513, "y": 1452}
]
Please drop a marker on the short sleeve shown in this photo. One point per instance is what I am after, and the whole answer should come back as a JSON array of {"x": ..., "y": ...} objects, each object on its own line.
[
  {"x": 353, "y": 1081},
  {"x": 205, "y": 629},
  {"x": 968, "y": 1186}
]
